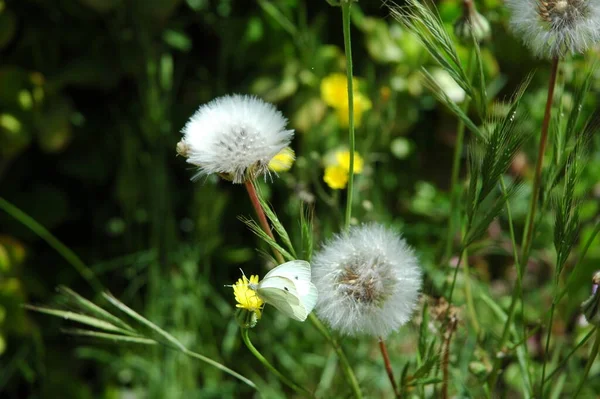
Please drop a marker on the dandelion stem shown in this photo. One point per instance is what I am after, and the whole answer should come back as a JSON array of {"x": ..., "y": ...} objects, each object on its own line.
[
  {"x": 529, "y": 226},
  {"x": 452, "y": 322},
  {"x": 64, "y": 251},
  {"x": 261, "y": 215},
  {"x": 348, "y": 372},
  {"x": 388, "y": 365},
  {"x": 348, "y": 50},
  {"x": 300, "y": 390},
  {"x": 588, "y": 366}
]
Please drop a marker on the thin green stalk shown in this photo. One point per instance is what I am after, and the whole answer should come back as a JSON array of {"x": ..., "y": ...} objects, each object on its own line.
[
  {"x": 454, "y": 193},
  {"x": 460, "y": 256},
  {"x": 347, "y": 369},
  {"x": 469, "y": 295},
  {"x": 348, "y": 50},
  {"x": 516, "y": 294},
  {"x": 588, "y": 366},
  {"x": 547, "y": 348},
  {"x": 566, "y": 359},
  {"x": 64, "y": 251},
  {"x": 297, "y": 388}
]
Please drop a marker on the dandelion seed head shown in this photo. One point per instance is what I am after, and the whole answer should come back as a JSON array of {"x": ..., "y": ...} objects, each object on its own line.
[
  {"x": 368, "y": 281},
  {"x": 554, "y": 28},
  {"x": 236, "y": 136}
]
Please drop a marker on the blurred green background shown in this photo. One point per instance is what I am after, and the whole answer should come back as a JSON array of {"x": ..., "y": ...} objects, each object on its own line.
[{"x": 93, "y": 94}]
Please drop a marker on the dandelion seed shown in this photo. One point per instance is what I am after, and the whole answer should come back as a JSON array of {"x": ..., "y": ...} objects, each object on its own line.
[
  {"x": 236, "y": 136},
  {"x": 369, "y": 281},
  {"x": 554, "y": 28}
]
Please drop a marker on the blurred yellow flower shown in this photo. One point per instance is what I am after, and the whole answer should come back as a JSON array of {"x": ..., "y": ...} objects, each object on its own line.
[
  {"x": 246, "y": 297},
  {"x": 336, "y": 177},
  {"x": 283, "y": 161},
  {"x": 361, "y": 104},
  {"x": 343, "y": 160},
  {"x": 334, "y": 92}
]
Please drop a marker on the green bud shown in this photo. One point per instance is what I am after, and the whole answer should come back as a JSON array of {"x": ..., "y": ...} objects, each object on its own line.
[
  {"x": 246, "y": 318},
  {"x": 591, "y": 306},
  {"x": 472, "y": 24}
]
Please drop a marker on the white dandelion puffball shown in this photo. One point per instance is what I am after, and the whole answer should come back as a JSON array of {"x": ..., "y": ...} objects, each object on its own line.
[
  {"x": 235, "y": 136},
  {"x": 554, "y": 28},
  {"x": 368, "y": 281}
]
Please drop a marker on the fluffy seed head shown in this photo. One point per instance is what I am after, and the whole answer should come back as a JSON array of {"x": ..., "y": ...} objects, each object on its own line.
[
  {"x": 553, "y": 28},
  {"x": 235, "y": 136},
  {"x": 368, "y": 281}
]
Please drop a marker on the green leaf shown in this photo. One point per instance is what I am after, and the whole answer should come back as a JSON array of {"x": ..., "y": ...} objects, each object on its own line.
[{"x": 80, "y": 318}]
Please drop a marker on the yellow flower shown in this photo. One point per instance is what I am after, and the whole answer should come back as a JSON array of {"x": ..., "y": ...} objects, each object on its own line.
[
  {"x": 361, "y": 104},
  {"x": 343, "y": 160},
  {"x": 246, "y": 297},
  {"x": 336, "y": 177},
  {"x": 282, "y": 162},
  {"x": 334, "y": 90}
]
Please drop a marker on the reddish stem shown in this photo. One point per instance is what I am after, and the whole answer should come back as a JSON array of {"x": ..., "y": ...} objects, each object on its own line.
[
  {"x": 540, "y": 161},
  {"x": 262, "y": 218},
  {"x": 388, "y": 366}
]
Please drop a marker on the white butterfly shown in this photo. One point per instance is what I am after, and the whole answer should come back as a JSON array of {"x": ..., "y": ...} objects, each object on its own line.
[{"x": 289, "y": 289}]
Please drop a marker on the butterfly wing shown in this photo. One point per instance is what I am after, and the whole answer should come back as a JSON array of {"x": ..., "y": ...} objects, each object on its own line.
[{"x": 281, "y": 293}]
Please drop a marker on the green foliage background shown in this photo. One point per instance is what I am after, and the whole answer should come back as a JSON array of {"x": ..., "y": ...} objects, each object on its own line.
[{"x": 93, "y": 95}]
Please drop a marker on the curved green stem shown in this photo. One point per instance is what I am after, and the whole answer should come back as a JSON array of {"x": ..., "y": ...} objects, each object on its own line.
[
  {"x": 70, "y": 256},
  {"x": 297, "y": 388},
  {"x": 348, "y": 372},
  {"x": 588, "y": 366},
  {"x": 348, "y": 50}
]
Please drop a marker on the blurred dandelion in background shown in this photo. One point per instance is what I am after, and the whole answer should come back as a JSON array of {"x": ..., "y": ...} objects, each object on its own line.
[{"x": 554, "y": 28}]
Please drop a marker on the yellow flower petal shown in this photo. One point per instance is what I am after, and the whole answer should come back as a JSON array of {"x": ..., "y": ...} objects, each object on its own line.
[
  {"x": 334, "y": 90},
  {"x": 343, "y": 160},
  {"x": 361, "y": 104},
  {"x": 245, "y": 295},
  {"x": 283, "y": 161},
  {"x": 336, "y": 177}
]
